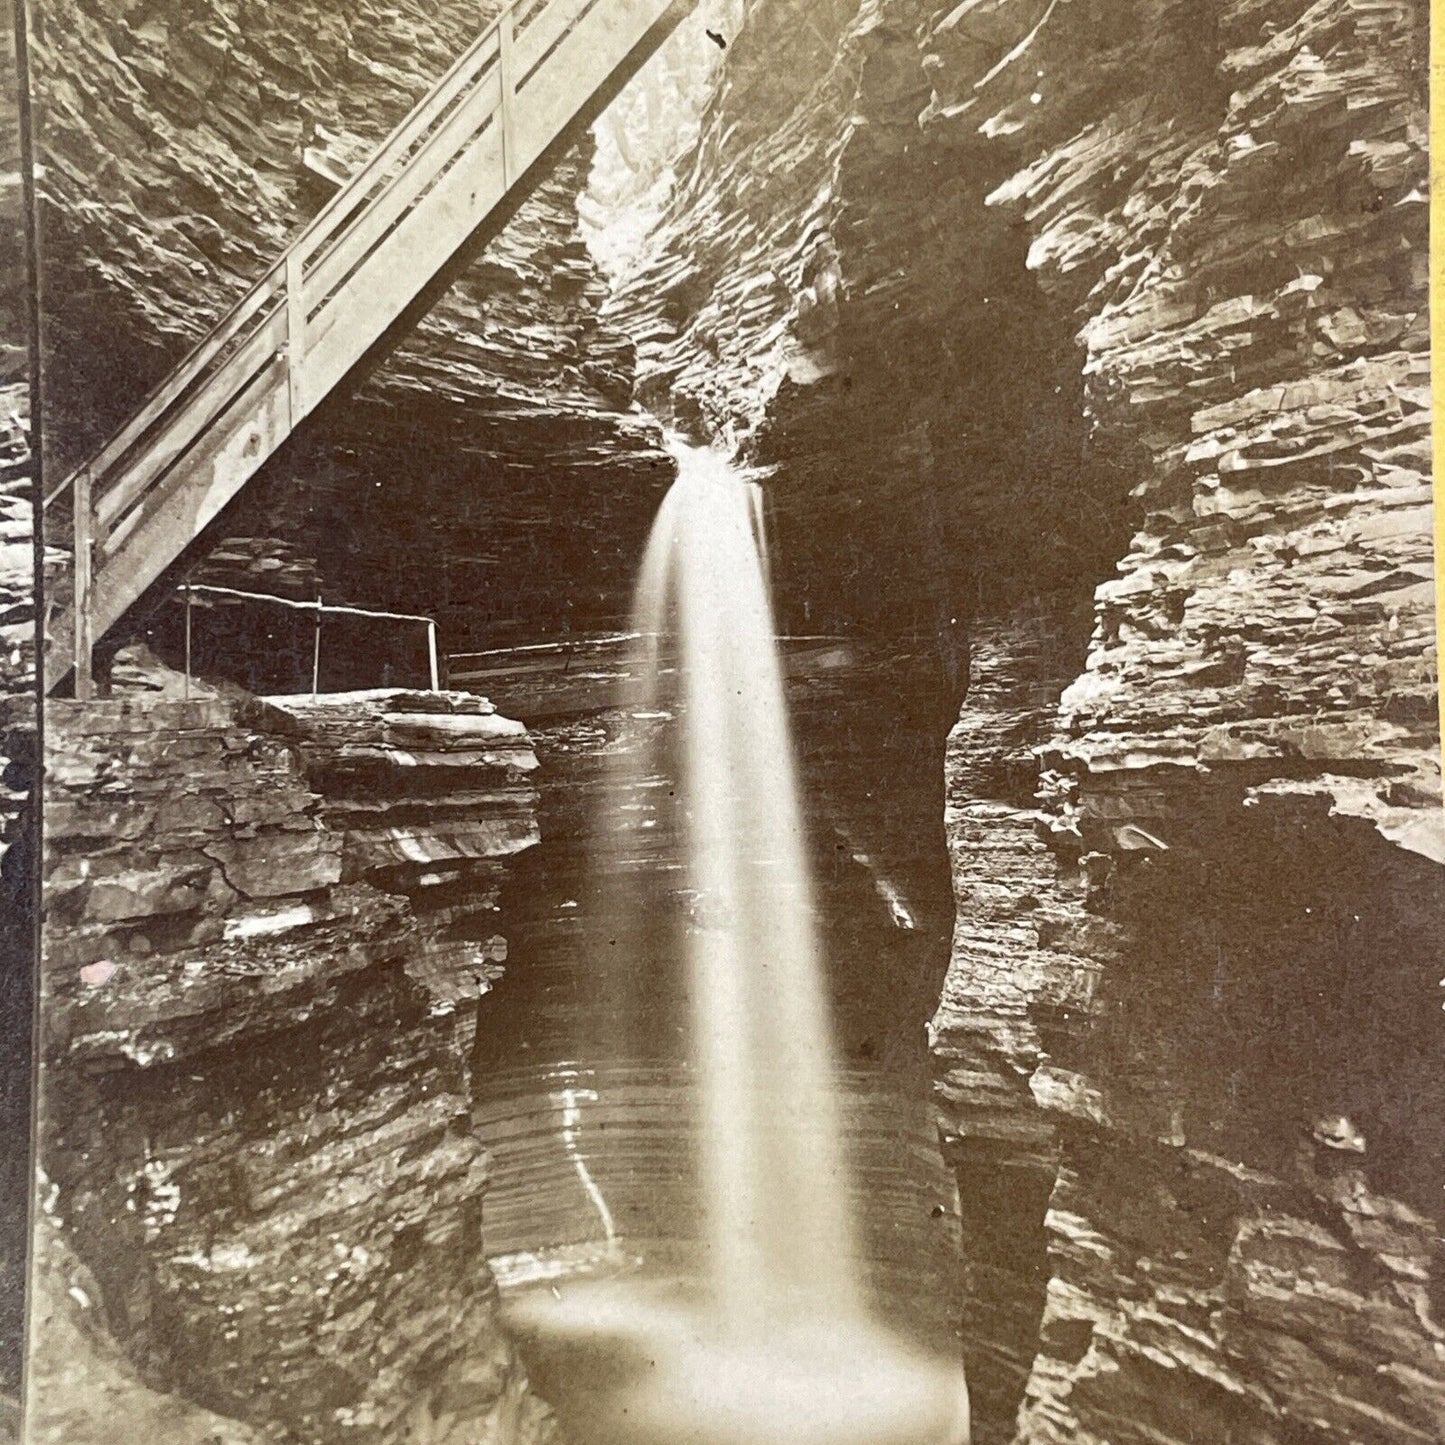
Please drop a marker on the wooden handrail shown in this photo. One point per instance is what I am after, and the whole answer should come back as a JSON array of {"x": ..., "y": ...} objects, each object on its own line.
[
  {"x": 348, "y": 246},
  {"x": 409, "y": 127},
  {"x": 131, "y": 486},
  {"x": 187, "y": 370}
]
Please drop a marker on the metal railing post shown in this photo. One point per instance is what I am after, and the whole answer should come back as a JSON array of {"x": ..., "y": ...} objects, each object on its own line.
[
  {"x": 319, "y": 608},
  {"x": 316, "y": 650},
  {"x": 82, "y": 566},
  {"x": 506, "y": 34}
]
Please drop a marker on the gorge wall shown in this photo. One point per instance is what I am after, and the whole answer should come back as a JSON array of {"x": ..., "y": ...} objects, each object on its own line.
[
  {"x": 262, "y": 1193},
  {"x": 1089, "y": 339}
]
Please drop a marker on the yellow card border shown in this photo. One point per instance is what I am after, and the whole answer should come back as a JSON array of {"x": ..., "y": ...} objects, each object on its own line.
[{"x": 1437, "y": 328}]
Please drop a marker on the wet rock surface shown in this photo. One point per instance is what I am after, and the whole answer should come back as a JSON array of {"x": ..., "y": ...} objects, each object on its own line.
[
  {"x": 256, "y": 1047},
  {"x": 585, "y": 1090}
]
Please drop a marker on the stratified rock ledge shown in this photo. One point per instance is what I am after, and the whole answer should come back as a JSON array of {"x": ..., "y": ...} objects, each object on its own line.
[{"x": 271, "y": 924}]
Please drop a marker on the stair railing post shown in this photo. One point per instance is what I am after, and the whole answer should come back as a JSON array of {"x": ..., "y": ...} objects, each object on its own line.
[
  {"x": 84, "y": 602},
  {"x": 431, "y": 648},
  {"x": 506, "y": 34},
  {"x": 295, "y": 333},
  {"x": 187, "y": 692}
]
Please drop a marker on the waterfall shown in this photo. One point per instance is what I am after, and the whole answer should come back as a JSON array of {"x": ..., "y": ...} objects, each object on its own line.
[
  {"x": 774, "y": 1344},
  {"x": 776, "y": 1194}
]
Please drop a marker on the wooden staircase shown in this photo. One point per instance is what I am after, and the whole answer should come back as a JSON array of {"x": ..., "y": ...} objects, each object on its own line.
[{"x": 348, "y": 284}]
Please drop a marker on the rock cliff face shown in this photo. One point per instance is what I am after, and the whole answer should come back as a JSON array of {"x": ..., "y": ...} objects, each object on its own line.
[
  {"x": 1090, "y": 338},
  {"x": 260, "y": 992}
]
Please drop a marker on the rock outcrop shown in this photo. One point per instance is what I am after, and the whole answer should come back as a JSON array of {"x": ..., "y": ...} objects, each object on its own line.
[{"x": 268, "y": 934}]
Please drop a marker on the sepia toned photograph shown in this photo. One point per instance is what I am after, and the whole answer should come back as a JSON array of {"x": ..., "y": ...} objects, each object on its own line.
[{"x": 719, "y": 724}]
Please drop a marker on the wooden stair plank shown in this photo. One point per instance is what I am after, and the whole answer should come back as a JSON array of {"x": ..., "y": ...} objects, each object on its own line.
[
  {"x": 182, "y": 430},
  {"x": 165, "y": 395},
  {"x": 226, "y": 458},
  {"x": 424, "y": 240},
  {"x": 534, "y": 42}
]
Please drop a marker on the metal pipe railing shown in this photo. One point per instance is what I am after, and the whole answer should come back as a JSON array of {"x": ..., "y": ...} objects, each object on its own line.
[
  {"x": 602, "y": 639},
  {"x": 319, "y": 608}
]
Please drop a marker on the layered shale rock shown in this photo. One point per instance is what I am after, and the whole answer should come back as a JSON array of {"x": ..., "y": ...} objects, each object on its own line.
[
  {"x": 992, "y": 286},
  {"x": 1241, "y": 1235},
  {"x": 1261, "y": 335},
  {"x": 425, "y": 789},
  {"x": 256, "y": 1090},
  {"x": 1020, "y": 933}
]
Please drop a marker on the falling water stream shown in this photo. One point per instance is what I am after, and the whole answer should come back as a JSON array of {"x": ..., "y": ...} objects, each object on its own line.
[
  {"x": 774, "y": 1344},
  {"x": 774, "y": 1194}
]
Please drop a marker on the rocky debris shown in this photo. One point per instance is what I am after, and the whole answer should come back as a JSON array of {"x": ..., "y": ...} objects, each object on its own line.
[
  {"x": 81, "y": 1384},
  {"x": 256, "y": 1109}
]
